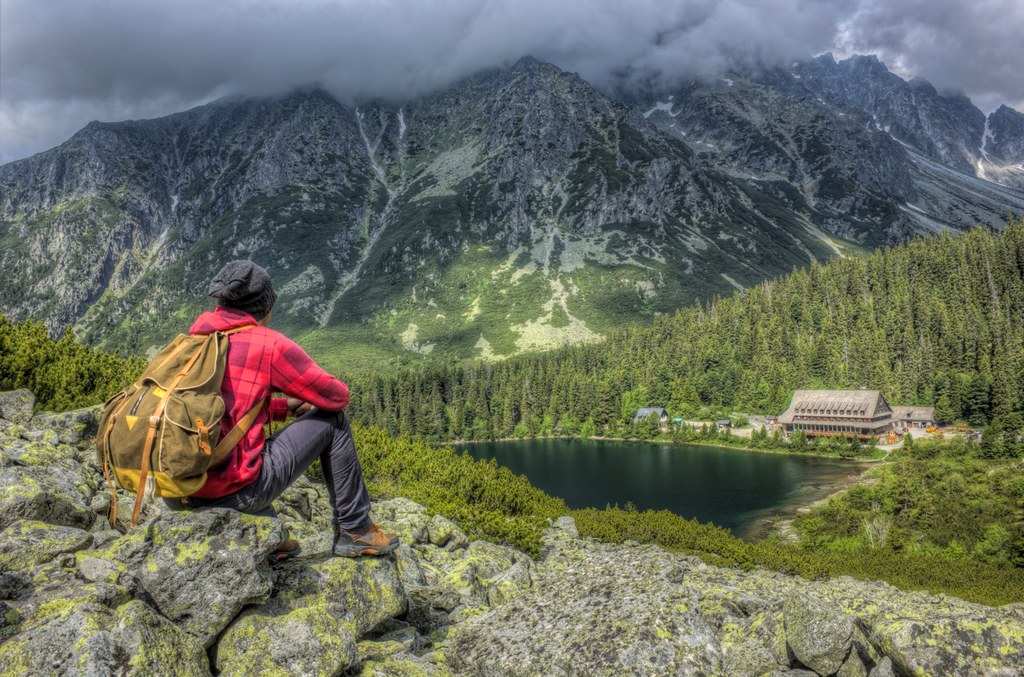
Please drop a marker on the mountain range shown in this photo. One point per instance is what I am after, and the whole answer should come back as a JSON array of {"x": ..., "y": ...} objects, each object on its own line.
[{"x": 515, "y": 211}]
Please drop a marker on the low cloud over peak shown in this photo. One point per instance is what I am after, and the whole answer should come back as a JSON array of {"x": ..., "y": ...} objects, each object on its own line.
[{"x": 65, "y": 62}]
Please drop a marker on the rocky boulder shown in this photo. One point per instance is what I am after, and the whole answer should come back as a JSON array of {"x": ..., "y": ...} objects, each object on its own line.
[
  {"x": 312, "y": 624},
  {"x": 819, "y": 633},
  {"x": 199, "y": 569},
  {"x": 636, "y": 609},
  {"x": 16, "y": 407}
]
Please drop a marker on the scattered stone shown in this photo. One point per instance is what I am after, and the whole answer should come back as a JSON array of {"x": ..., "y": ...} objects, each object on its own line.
[
  {"x": 54, "y": 494},
  {"x": 883, "y": 669},
  {"x": 27, "y": 544},
  {"x": 201, "y": 568},
  {"x": 946, "y": 646},
  {"x": 508, "y": 584},
  {"x": 852, "y": 667},
  {"x": 16, "y": 406},
  {"x": 594, "y": 603},
  {"x": 91, "y": 639},
  {"x": 442, "y": 532},
  {"x": 410, "y": 570},
  {"x": 405, "y": 519},
  {"x": 71, "y": 427},
  {"x": 818, "y": 632},
  {"x": 311, "y": 627},
  {"x": 404, "y": 664}
]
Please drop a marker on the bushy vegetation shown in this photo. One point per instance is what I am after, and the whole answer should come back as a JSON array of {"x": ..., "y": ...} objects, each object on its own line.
[
  {"x": 63, "y": 373},
  {"x": 938, "y": 320},
  {"x": 936, "y": 498}
]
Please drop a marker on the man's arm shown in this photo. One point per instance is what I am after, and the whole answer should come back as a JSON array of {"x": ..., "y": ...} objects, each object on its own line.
[{"x": 294, "y": 373}]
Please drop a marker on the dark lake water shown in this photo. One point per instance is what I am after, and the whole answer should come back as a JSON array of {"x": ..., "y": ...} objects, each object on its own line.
[{"x": 731, "y": 488}]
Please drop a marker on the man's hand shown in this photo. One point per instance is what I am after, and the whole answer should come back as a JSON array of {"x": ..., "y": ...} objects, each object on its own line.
[{"x": 297, "y": 407}]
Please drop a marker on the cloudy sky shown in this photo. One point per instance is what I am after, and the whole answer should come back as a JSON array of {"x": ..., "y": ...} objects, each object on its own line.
[{"x": 66, "y": 62}]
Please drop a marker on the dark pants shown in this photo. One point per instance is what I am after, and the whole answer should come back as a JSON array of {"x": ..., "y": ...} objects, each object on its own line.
[{"x": 319, "y": 434}]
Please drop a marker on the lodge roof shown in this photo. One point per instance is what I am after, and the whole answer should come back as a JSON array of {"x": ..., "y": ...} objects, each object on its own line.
[
  {"x": 922, "y": 414},
  {"x": 647, "y": 411},
  {"x": 837, "y": 404}
]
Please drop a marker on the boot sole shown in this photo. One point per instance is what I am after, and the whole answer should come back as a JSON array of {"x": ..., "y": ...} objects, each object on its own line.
[{"x": 360, "y": 550}]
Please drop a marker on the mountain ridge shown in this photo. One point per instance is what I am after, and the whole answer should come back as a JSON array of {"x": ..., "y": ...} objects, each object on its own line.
[{"x": 518, "y": 210}]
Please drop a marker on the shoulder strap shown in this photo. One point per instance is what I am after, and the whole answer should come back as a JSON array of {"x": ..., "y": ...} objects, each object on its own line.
[
  {"x": 227, "y": 332},
  {"x": 235, "y": 435}
]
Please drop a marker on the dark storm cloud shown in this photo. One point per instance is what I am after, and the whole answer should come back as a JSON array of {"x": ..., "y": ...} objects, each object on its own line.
[
  {"x": 65, "y": 62},
  {"x": 966, "y": 46}
]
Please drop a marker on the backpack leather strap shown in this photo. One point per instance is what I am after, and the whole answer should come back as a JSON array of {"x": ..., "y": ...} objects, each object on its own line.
[
  {"x": 228, "y": 443},
  {"x": 235, "y": 435}
]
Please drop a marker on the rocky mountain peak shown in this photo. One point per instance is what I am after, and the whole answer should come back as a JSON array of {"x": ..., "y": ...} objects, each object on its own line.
[{"x": 516, "y": 210}]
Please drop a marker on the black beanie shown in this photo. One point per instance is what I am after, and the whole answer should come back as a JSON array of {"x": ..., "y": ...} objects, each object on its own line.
[{"x": 245, "y": 286}]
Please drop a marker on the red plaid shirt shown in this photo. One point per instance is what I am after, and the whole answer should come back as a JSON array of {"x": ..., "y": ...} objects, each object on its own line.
[{"x": 260, "y": 361}]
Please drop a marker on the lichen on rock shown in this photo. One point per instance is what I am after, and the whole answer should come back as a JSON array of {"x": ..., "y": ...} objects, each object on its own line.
[
  {"x": 819, "y": 633},
  {"x": 27, "y": 544},
  {"x": 311, "y": 625},
  {"x": 200, "y": 569}
]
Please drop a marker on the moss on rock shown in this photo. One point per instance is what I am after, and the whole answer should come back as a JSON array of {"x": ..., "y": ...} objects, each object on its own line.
[
  {"x": 52, "y": 494},
  {"x": 84, "y": 637},
  {"x": 28, "y": 543},
  {"x": 312, "y": 624},
  {"x": 201, "y": 568}
]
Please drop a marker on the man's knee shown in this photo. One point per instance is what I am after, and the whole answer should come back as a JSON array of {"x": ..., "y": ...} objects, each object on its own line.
[{"x": 335, "y": 418}]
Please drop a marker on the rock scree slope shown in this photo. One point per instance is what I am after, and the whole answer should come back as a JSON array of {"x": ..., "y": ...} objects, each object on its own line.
[{"x": 192, "y": 594}]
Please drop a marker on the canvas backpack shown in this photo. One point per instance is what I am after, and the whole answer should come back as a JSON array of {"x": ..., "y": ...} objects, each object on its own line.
[{"x": 158, "y": 436}]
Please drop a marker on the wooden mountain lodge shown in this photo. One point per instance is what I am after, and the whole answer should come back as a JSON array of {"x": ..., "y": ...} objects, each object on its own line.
[{"x": 845, "y": 413}]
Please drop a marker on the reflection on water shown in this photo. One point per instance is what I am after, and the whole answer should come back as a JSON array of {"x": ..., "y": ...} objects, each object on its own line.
[{"x": 729, "y": 487}]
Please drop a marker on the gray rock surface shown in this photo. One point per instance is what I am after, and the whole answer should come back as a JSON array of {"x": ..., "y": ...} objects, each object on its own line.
[
  {"x": 27, "y": 544},
  {"x": 92, "y": 639},
  {"x": 818, "y": 632},
  {"x": 16, "y": 406},
  {"x": 72, "y": 427},
  {"x": 200, "y": 569},
  {"x": 595, "y": 605},
  {"x": 311, "y": 626}
]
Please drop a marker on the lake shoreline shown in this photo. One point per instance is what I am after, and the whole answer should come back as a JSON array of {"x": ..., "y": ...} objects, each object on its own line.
[
  {"x": 779, "y": 521},
  {"x": 774, "y": 520}
]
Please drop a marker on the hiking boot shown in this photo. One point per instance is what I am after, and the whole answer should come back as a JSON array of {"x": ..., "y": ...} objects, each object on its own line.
[
  {"x": 290, "y": 548},
  {"x": 372, "y": 541}
]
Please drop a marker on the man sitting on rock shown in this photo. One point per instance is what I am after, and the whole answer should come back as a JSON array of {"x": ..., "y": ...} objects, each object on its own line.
[{"x": 261, "y": 361}]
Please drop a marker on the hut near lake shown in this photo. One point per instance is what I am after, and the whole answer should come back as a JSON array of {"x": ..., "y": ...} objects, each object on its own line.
[{"x": 838, "y": 413}]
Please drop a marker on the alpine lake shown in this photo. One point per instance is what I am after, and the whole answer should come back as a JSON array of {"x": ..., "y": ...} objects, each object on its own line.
[{"x": 744, "y": 491}]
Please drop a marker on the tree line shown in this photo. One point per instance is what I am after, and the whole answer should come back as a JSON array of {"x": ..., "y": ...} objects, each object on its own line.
[{"x": 935, "y": 321}]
